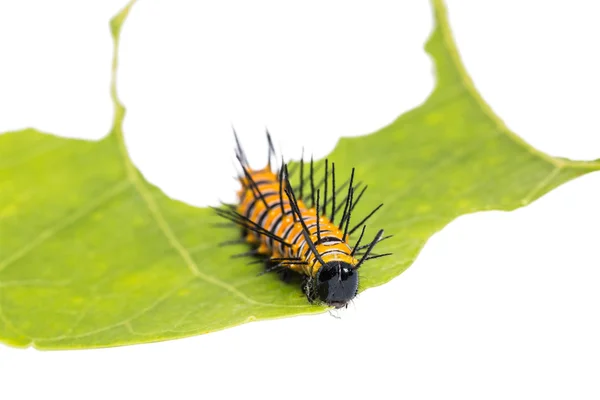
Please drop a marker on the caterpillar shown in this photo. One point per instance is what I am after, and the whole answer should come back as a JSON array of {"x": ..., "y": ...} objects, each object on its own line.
[{"x": 292, "y": 237}]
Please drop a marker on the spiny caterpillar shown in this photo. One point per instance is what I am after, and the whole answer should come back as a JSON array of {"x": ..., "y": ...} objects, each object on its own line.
[{"x": 293, "y": 238}]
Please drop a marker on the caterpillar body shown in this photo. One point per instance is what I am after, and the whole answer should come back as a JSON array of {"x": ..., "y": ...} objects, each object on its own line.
[{"x": 292, "y": 237}]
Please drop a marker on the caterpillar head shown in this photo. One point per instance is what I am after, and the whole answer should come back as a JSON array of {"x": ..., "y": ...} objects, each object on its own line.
[{"x": 335, "y": 284}]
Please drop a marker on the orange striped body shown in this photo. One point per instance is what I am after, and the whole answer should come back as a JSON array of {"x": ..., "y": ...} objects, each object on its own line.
[
  {"x": 292, "y": 238},
  {"x": 332, "y": 246}
]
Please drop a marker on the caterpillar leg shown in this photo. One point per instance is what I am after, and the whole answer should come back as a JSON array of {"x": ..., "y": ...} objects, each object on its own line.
[
  {"x": 286, "y": 275},
  {"x": 289, "y": 276},
  {"x": 306, "y": 289},
  {"x": 232, "y": 242}
]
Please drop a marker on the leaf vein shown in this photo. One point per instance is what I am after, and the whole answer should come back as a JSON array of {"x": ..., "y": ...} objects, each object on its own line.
[
  {"x": 123, "y": 322},
  {"x": 540, "y": 186},
  {"x": 54, "y": 229}
]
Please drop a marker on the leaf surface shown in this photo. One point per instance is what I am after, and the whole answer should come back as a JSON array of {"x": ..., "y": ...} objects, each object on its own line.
[{"x": 92, "y": 255}]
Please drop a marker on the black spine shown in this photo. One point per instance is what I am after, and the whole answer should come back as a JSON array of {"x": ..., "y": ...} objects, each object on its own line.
[
  {"x": 366, "y": 218},
  {"x": 349, "y": 215},
  {"x": 271, "y": 149},
  {"x": 293, "y": 202},
  {"x": 373, "y": 243},
  {"x": 252, "y": 183},
  {"x": 301, "y": 175},
  {"x": 332, "y": 192},
  {"x": 281, "y": 190},
  {"x": 357, "y": 245},
  {"x": 312, "y": 182},
  {"x": 325, "y": 191},
  {"x": 346, "y": 207},
  {"x": 318, "y": 227}
]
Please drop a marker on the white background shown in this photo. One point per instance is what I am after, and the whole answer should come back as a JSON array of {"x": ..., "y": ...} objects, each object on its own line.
[{"x": 497, "y": 305}]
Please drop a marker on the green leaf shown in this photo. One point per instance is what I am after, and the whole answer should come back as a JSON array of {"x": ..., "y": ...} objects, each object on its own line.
[{"x": 92, "y": 255}]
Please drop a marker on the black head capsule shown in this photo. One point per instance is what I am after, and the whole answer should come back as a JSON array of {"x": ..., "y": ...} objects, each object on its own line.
[{"x": 336, "y": 283}]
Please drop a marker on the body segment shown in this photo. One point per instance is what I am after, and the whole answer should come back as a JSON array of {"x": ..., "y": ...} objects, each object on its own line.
[{"x": 277, "y": 217}]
